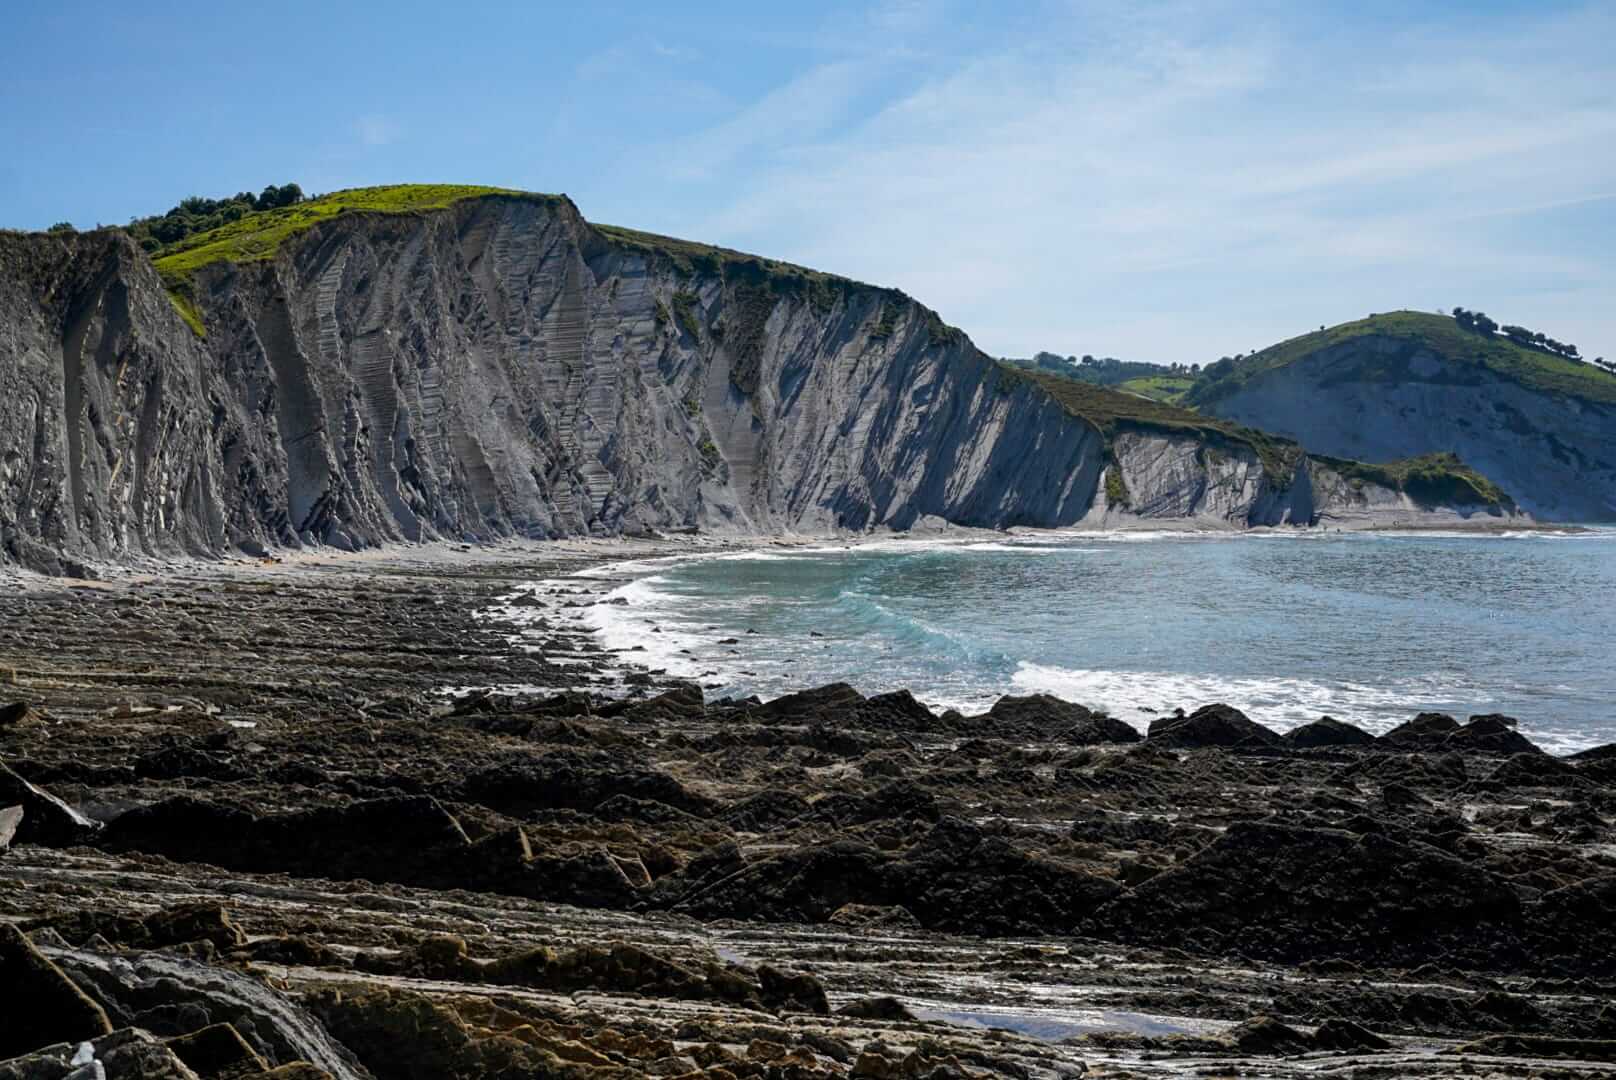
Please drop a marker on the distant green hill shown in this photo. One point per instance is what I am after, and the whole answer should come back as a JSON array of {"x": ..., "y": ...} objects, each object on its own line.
[
  {"x": 1163, "y": 382},
  {"x": 1533, "y": 368}
]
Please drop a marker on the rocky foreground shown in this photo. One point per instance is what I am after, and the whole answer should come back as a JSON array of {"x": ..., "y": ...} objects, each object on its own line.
[{"x": 336, "y": 821}]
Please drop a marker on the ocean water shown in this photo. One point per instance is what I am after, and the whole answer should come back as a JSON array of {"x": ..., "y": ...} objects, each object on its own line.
[{"x": 1287, "y": 626}]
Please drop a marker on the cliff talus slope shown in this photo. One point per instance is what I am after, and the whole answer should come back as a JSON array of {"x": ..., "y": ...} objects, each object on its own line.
[{"x": 501, "y": 367}]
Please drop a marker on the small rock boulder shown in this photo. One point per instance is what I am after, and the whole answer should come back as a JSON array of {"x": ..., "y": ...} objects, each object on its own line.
[
  {"x": 1327, "y": 731},
  {"x": 1265, "y": 1035},
  {"x": 1345, "y": 1035},
  {"x": 46, "y": 819},
  {"x": 1212, "y": 725},
  {"x": 1427, "y": 731}
]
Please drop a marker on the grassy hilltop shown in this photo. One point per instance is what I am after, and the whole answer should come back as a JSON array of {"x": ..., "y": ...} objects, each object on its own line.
[{"x": 1442, "y": 335}]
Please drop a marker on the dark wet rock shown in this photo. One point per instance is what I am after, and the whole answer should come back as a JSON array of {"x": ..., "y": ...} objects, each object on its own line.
[
  {"x": 177, "y": 925},
  {"x": 410, "y": 840},
  {"x": 1427, "y": 731},
  {"x": 868, "y": 916},
  {"x": 182, "y": 761},
  {"x": 1540, "y": 1046},
  {"x": 1043, "y": 716},
  {"x": 1265, "y": 1035},
  {"x": 574, "y": 780},
  {"x": 1421, "y": 771},
  {"x": 1101, "y": 728},
  {"x": 124, "y": 1053},
  {"x": 1571, "y": 926},
  {"x": 1337, "y": 1034},
  {"x": 766, "y": 810},
  {"x": 46, "y": 819},
  {"x": 41, "y": 1004},
  {"x": 1289, "y": 894},
  {"x": 1122, "y": 832},
  {"x": 1493, "y": 733},
  {"x": 1512, "y": 1011},
  {"x": 295, "y": 950},
  {"x": 1326, "y": 731},
  {"x": 218, "y": 1052},
  {"x": 877, "y": 1008},
  {"x": 896, "y": 711},
  {"x": 1401, "y": 797},
  {"x": 962, "y": 878},
  {"x": 1534, "y": 769},
  {"x": 402, "y": 1035},
  {"x": 791, "y": 991},
  {"x": 710, "y": 866},
  {"x": 683, "y": 702},
  {"x": 569, "y": 703},
  {"x": 806, "y": 884},
  {"x": 395, "y": 839},
  {"x": 616, "y": 968},
  {"x": 1211, "y": 725},
  {"x": 18, "y": 714},
  {"x": 833, "y": 704},
  {"x": 1038, "y": 711},
  {"x": 647, "y": 812},
  {"x": 841, "y": 743},
  {"x": 898, "y": 801}
]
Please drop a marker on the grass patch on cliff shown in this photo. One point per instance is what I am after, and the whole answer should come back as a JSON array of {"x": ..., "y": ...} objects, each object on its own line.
[
  {"x": 259, "y": 236},
  {"x": 1113, "y": 411},
  {"x": 186, "y": 306},
  {"x": 1168, "y": 388},
  {"x": 1116, "y": 488},
  {"x": 1430, "y": 480},
  {"x": 1441, "y": 335}
]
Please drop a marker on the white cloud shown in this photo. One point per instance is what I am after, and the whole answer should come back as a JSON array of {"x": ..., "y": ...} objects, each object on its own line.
[
  {"x": 1173, "y": 183},
  {"x": 377, "y": 130}
]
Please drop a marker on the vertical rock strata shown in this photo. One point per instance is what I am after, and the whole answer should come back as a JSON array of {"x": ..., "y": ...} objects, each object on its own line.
[{"x": 503, "y": 368}]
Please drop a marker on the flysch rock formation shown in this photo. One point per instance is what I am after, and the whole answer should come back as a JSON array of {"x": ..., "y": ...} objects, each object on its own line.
[
  {"x": 1391, "y": 398},
  {"x": 504, "y": 368}
]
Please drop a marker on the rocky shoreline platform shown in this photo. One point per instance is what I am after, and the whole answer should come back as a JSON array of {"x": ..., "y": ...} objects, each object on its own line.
[{"x": 350, "y": 818}]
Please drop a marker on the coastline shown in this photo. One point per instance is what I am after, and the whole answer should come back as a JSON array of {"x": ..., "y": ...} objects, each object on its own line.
[{"x": 318, "y": 755}]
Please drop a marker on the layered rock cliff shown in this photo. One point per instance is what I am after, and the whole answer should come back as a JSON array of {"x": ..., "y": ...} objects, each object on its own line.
[
  {"x": 1412, "y": 384},
  {"x": 501, "y": 367}
]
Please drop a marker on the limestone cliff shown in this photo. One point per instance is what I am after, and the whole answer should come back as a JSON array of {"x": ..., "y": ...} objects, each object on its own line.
[
  {"x": 1542, "y": 427},
  {"x": 501, "y": 367}
]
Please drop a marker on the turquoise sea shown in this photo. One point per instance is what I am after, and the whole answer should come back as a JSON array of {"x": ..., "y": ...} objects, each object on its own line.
[{"x": 1368, "y": 628}]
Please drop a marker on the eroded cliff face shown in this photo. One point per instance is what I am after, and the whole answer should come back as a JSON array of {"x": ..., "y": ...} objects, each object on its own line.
[
  {"x": 1382, "y": 399},
  {"x": 502, "y": 368},
  {"x": 107, "y": 411}
]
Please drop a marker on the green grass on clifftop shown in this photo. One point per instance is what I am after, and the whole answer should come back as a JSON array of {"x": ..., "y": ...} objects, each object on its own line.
[
  {"x": 1113, "y": 411},
  {"x": 1440, "y": 334},
  {"x": 1168, "y": 388},
  {"x": 1431, "y": 480},
  {"x": 259, "y": 236}
]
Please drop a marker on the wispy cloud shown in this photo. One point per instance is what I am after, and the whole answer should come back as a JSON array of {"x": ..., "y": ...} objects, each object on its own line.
[
  {"x": 376, "y": 130},
  {"x": 1175, "y": 182}
]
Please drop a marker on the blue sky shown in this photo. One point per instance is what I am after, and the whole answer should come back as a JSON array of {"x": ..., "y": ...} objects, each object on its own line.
[{"x": 1158, "y": 181}]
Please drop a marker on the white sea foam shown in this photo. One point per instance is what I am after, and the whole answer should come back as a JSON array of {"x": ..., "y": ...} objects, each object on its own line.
[
  {"x": 648, "y": 629},
  {"x": 668, "y": 622},
  {"x": 1278, "y": 703}
]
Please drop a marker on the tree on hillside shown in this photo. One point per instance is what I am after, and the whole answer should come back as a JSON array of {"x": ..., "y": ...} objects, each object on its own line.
[
  {"x": 62, "y": 227},
  {"x": 197, "y": 214},
  {"x": 273, "y": 198}
]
